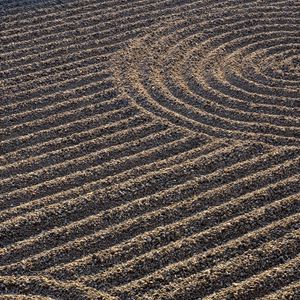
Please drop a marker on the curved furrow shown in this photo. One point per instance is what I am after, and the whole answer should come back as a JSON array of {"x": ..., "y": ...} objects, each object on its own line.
[
  {"x": 180, "y": 91},
  {"x": 187, "y": 118},
  {"x": 110, "y": 42},
  {"x": 250, "y": 89},
  {"x": 33, "y": 66},
  {"x": 149, "y": 149},
  {"x": 244, "y": 80},
  {"x": 258, "y": 73},
  {"x": 163, "y": 8},
  {"x": 277, "y": 75},
  {"x": 97, "y": 32},
  {"x": 96, "y": 39},
  {"x": 152, "y": 84}
]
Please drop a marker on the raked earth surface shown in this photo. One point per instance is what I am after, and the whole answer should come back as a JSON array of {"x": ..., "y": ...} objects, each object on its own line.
[{"x": 150, "y": 149}]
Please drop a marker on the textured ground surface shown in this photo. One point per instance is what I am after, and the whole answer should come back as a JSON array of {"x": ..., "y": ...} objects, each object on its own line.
[{"x": 150, "y": 149}]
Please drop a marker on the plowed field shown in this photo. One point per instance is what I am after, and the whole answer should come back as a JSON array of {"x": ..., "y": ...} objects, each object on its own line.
[{"x": 150, "y": 149}]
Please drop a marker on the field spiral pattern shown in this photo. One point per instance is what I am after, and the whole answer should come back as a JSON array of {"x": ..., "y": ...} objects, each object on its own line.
[
  {"x": 231, "y": 74},
  {"x": 150, "y": 149}
]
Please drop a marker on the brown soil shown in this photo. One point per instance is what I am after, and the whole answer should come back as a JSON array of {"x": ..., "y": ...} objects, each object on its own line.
[{"x": 150, "y": 149}]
